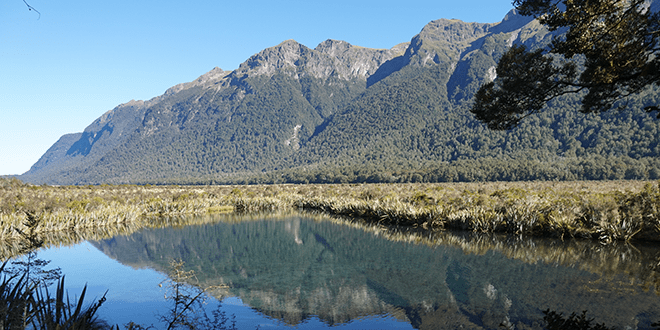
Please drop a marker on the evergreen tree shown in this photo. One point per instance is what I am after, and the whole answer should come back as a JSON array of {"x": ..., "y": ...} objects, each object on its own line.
[{"x": 608, "y": 52}]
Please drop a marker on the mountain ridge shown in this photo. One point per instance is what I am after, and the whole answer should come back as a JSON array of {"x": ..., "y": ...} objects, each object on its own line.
[{"x": 291, "y": 113}]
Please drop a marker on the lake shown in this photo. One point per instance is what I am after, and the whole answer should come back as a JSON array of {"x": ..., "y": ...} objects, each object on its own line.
[{"x": 307, "y": 272}]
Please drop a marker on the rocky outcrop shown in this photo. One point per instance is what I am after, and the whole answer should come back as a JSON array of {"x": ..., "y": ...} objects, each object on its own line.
[
  {"x": 206, "y": 79},
  {"x": 358, "y": 62}
]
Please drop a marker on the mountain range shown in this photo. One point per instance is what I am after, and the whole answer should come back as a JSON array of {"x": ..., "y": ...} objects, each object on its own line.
[{"x": 344, "y": 113}]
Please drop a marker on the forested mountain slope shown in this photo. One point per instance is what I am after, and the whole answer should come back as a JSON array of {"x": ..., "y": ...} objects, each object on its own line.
[{"x": 342, "y": 113}]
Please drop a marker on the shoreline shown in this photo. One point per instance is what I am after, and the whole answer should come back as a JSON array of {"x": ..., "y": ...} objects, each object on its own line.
[{"x": 606, "y": 211}]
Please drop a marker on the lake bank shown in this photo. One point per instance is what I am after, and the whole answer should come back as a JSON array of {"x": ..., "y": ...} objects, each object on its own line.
[{"x": 608, "y": 211}]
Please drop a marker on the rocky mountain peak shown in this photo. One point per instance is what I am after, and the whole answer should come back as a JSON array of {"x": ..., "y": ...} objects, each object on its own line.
[
  {"x": 443, "y": 40},
  {"x": 213, "y": 75},
  {"x": 335, "y": 48},
  {"x": 359, "y": 62},
  {"x": 511, "y": 22},
  {"x": 286, "y": 55},
  {"x": 330, "y": 58}
]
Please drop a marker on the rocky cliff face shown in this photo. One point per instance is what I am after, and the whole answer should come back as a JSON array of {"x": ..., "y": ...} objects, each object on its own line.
[
  {"x": 330, "y": 58},
  {"x": 209, "y": 78}
]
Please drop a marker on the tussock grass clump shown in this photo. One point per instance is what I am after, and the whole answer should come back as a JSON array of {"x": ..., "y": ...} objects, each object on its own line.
[
  {"x": 608, "y": 211},
  {"x": 386, "y": 212}
]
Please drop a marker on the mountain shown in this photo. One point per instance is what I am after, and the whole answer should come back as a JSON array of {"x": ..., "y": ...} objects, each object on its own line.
[{"x": 343, "y": 113}]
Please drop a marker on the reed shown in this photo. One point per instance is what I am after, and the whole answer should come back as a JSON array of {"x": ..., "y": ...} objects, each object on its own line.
[{"x": 17, "y": 307}]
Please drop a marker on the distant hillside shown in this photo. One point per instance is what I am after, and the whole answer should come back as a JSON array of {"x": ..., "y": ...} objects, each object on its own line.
[{"x": 342, "y": 113}]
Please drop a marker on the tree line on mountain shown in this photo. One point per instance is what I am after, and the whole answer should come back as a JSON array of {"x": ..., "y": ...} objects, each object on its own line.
[{"x": 477, "y": 170}]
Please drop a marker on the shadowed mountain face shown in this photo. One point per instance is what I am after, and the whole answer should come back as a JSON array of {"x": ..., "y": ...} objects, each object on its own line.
[
  {"x": 296, "y": 267},
  {"x": 290, "y": 109}
]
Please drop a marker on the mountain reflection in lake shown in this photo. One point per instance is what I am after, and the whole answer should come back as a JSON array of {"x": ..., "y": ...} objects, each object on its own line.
[{"x": 296, "y": 269}]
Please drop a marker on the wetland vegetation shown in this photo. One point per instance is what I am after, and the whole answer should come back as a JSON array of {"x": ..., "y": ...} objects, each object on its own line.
[{"x": 607, "y": 211}]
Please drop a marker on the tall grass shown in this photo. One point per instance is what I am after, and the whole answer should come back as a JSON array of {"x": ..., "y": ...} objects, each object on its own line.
[
  {"x": 25, "y": 300},
  {"x": 601, "y": 211}
]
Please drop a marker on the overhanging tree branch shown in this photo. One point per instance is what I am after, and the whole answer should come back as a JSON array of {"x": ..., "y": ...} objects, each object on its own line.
[
  {"x": 32, "y": 8},
  {"x": 614, "y": 41}
]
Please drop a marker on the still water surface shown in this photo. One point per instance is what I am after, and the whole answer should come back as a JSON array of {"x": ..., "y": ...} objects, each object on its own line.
[{"x": 304, "y": 273}]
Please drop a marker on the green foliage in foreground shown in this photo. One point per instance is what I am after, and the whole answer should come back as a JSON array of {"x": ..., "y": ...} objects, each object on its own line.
[
  {"x": 25, "y": 300},
  {"x": 59, "y": 313},
  {"x": 607, "y": 50},
  {"x": 25, "y": 305}
]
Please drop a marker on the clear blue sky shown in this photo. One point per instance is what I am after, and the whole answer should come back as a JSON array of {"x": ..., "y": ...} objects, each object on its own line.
[{"x": 60, "y": 72}]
